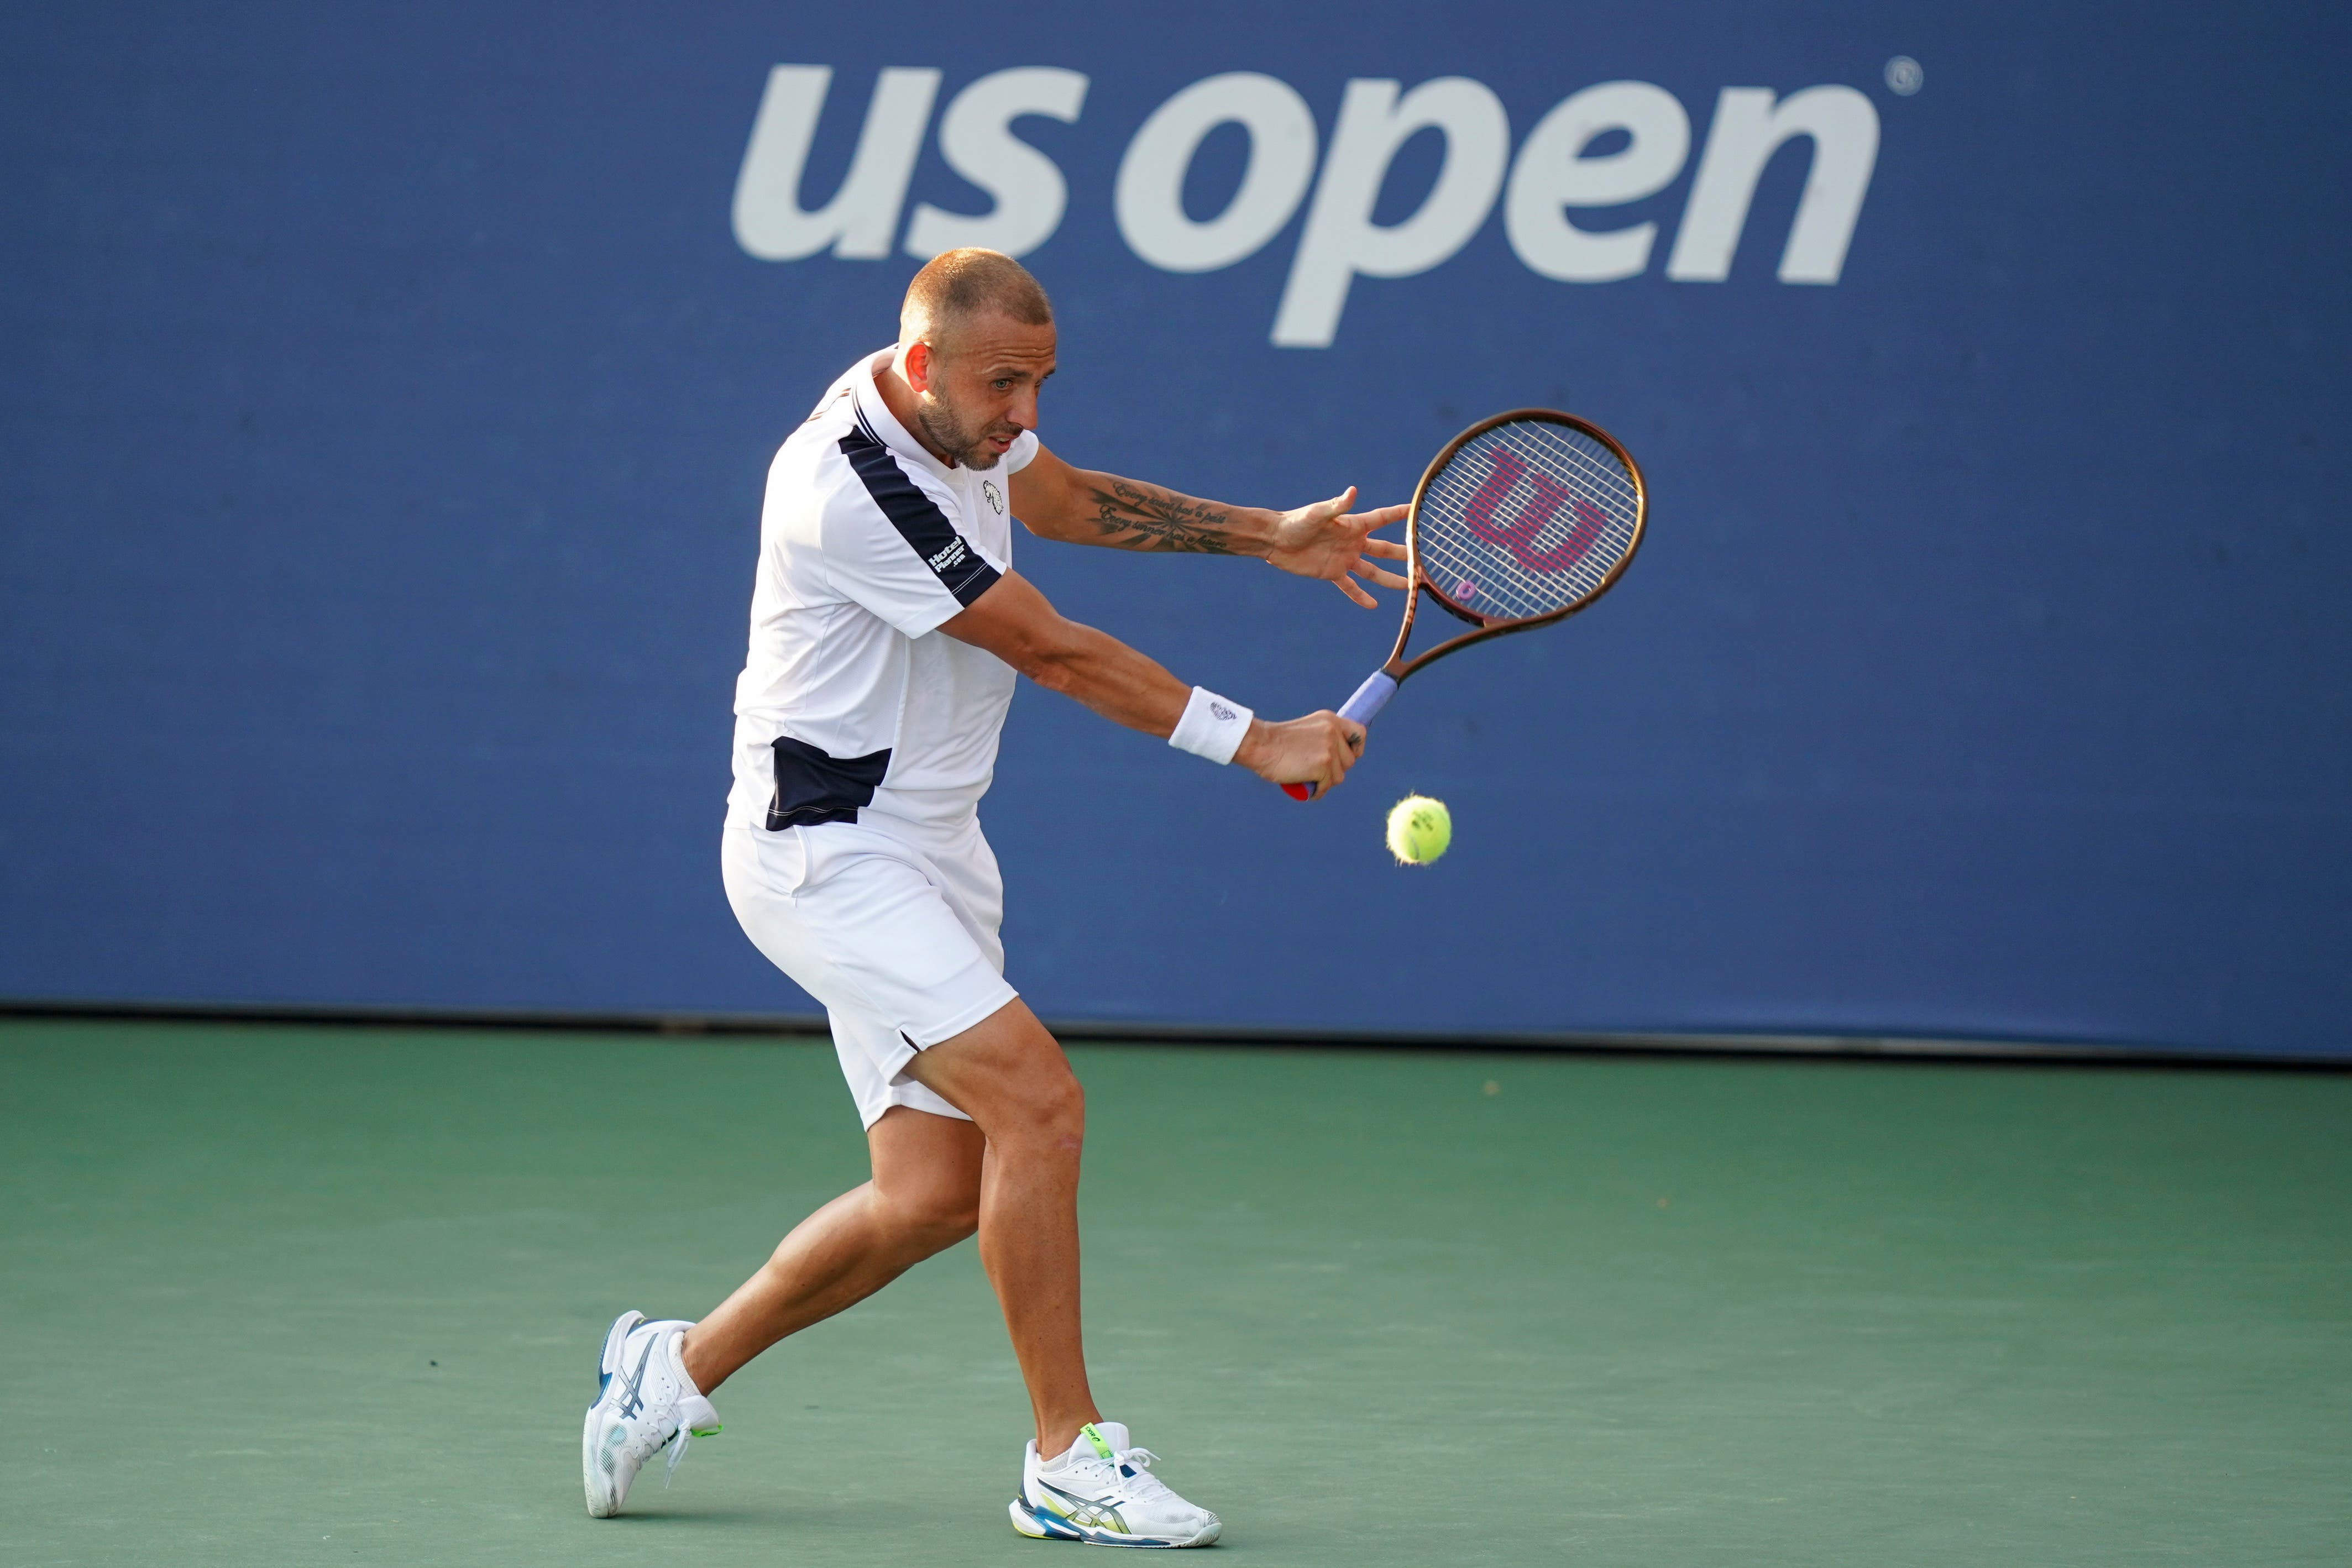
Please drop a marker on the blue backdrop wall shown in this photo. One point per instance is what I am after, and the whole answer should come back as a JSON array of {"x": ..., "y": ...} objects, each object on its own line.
[{"x": 391, "y": 388}]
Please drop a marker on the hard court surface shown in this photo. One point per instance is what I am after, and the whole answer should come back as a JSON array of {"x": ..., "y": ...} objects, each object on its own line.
[{"x": 278, "y": 1295}]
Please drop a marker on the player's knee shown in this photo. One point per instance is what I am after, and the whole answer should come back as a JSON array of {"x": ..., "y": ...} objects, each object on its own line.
[
  {"x": 943, "y": 1221},
  {"x": 951, "y": 1211},
  {"x": 1058, "y": 1113},
  {"x": 1047, "y": 1114},
  {"x": 932, "y": 1217},
  {"x": 949, "y": 1226}
]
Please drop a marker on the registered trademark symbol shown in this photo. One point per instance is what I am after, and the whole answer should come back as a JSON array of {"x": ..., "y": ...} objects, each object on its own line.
[{"x": 1904, "y": 75}]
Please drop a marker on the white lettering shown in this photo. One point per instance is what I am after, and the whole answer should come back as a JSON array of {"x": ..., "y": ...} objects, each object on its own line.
[
  {"x": 1552, "y": 172},
  {"x": 1553, "y": 177},
  {"x": 1340, "y": 238},
  {"x": 976, "y": 137},
  {"x": 1747, "y": 129},
  {"x": 863, "y": 216},
  {"x": 1149, "y": 196}
]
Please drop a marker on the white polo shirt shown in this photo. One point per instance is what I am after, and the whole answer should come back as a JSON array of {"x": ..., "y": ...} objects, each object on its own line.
[{"x": 851, "y": 698}]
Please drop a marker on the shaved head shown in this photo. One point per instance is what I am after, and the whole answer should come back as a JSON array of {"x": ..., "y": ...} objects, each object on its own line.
[
  {"x": 975, "y": 343},
  {"x": 956, "y": 287}
]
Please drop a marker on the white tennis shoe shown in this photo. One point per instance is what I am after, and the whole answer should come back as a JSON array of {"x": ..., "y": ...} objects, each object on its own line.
[
  {"x": 1103, "y": 1492},
  {"x": 645, "y": 1402}
]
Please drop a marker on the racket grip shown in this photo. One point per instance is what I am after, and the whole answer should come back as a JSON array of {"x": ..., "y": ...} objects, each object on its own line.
[
  {"x": 1363, "y": 707},
  {"x": 1370, "y": 698}
]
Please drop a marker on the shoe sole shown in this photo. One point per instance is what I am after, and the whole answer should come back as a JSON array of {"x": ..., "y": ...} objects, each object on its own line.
[
  {"x": 1040, "y": 1525},
  {"x": 603, "y": 1500}
]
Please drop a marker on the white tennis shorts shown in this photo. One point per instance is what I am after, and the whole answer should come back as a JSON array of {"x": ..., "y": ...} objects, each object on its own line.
[{"x": 896, "y": 933}]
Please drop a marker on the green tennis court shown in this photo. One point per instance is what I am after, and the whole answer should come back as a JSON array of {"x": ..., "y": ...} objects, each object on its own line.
[{"x": 304, "y": 1295}]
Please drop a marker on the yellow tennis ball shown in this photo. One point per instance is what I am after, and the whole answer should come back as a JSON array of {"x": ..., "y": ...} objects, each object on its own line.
[{"x": 1419, "y": 829}]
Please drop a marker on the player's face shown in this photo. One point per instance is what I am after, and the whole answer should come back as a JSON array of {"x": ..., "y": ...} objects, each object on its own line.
[{"x": 980, "y": 393}]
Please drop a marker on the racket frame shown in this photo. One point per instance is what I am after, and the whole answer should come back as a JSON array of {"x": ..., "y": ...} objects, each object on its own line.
[
  {"x": 1381, "y": 684},
  {"x": 1398, "y": 667}
]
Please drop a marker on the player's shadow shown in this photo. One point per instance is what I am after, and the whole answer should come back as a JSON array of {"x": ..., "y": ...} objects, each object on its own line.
[{"x": 725, "y": 1514}]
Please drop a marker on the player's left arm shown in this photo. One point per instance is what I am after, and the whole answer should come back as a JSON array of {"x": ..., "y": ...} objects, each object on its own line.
[{"x": 1080, "y": 506}]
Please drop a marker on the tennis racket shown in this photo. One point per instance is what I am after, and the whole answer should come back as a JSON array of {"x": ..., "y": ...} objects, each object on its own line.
[{"x": 1524, "y": 519}]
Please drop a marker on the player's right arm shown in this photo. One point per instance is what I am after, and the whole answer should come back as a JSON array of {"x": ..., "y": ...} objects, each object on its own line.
[{"x": 1012, "y": 620}]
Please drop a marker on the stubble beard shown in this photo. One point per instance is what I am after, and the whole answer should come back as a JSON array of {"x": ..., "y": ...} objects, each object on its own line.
[{"x": 950, "y": 435}]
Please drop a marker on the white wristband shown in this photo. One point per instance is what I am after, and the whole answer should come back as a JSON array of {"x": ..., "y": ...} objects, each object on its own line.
[{"x": 1212, "y": 727}]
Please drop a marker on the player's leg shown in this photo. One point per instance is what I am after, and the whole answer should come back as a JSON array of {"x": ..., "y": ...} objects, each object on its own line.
[
  {"x": 801, "y": 900},
  {"x": 924, "y": 1197},
  {"x": 1009, "y": 1075},
  {"x": 654, "y": 1378},
  {"x": 858, "y": 919},
  {"x": 1083, "y": 1479}
]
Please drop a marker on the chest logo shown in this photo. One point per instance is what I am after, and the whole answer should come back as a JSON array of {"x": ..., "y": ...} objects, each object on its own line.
[{"x": 995, "y": 496}]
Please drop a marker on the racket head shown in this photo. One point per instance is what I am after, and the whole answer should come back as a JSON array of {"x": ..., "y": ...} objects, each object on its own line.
[{"x": 1524, "y": 518}]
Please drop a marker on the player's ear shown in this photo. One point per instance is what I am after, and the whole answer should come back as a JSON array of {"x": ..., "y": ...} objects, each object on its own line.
[{"x": 919, "y": 365}]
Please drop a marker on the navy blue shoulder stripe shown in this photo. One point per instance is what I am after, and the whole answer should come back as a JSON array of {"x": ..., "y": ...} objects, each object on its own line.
[{"x": 919, "y": 520}]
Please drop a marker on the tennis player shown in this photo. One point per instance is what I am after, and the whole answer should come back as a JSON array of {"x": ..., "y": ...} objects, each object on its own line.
[{"x": 888, "y": 626}]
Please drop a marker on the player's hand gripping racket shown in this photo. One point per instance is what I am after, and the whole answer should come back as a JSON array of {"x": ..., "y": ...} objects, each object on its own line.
[{"x": 1524, "y": 519}]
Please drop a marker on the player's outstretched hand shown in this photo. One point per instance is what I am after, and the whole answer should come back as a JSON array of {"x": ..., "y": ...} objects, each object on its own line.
[
  {"x": 1317, "y": 750},
  {"x": 1328, "y": 541}
]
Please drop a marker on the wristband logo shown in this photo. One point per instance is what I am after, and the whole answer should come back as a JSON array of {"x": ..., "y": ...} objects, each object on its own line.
[{"x": 1545, "y": 187}]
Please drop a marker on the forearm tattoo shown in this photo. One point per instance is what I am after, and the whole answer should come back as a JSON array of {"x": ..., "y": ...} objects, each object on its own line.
[{"x": 1144, "y": 517}]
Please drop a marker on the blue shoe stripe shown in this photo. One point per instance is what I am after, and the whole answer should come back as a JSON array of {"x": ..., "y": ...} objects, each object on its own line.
[
  {"x": 1052, "y": 1524},
  {"x": 1060, "y": 1528}
]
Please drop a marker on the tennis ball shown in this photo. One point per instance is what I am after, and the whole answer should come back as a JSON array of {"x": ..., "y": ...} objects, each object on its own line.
[{"x": 1419, "y": 829}]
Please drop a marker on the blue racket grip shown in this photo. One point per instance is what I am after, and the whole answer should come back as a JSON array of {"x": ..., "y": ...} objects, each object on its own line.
[{"x": 1370, "y": 698}]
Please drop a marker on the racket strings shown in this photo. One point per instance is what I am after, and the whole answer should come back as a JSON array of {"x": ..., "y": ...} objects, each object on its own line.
[
  {"x": 1512, "y": 544},
  {"x": 1526, "y": 520}
]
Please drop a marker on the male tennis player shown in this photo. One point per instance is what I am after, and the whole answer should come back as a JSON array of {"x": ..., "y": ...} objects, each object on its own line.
[{"x": 887, "y": 625}]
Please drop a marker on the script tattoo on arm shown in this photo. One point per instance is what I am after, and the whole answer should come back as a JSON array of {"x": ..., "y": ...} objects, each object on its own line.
[{"x": 1144, "y": 517}]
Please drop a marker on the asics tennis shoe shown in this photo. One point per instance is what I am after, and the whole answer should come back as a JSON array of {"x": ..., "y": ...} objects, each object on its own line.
[
  {"x": 645, "y": 1403},
  {"x": 1103, "y": 1492}
]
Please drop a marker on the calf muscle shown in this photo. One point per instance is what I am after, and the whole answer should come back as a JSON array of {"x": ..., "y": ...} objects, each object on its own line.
[{"x": 924, "y": 1199}]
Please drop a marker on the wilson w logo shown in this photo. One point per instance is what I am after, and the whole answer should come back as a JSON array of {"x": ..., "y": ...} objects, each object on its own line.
[{"x": 1517, "y": 531}]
